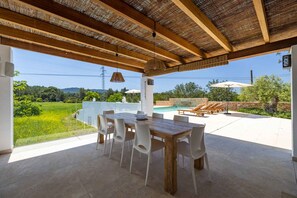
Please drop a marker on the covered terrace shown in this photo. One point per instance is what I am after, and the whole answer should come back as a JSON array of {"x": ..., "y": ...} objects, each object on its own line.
[{"x": 190, "y": 35}]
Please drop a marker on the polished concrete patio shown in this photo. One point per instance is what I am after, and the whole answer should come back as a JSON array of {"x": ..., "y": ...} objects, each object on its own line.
[{"x": 249, "y": 156}]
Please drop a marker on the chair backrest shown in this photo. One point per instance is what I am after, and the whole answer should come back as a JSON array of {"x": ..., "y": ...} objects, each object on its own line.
[
  {"x": 181, "y": 118},
  {"x": 158, "y": 115},
  {"x": 108, "y": 112},
  {"x": 142, "y": 137},
  {"x": 103, "y": 123},
  {"x": 198, "y": 107},
  {"x": 140, "y": 112},
  {"x": 205, "y": 107},
  {"x": 120, "y": 129},
  {"x": 197, "y": 140}
]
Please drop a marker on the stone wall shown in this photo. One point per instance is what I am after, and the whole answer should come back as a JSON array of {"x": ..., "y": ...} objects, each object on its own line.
[
  {"x": 163, "y": 103},
  {"x": 186, "y": 102},
  {"x": 192, "y": 102}
]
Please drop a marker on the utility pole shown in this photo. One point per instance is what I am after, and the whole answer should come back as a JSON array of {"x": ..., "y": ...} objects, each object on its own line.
[
  {"x": 103, "y": 77},
  {"x": 252, "y": 77}
]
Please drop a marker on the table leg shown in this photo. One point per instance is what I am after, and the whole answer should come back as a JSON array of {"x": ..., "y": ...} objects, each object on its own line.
[
  {"x": 199, "y": 163},
  {"x": 101, "y": 139},
  {"x": 170, "y": 165}
]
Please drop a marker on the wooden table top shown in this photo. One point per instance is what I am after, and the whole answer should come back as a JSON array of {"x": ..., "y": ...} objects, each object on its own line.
[{"x": 165, "y": 126}]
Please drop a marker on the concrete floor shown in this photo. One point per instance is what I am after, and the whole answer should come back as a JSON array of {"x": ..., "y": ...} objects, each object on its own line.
[{"x": 249, "y": 156}]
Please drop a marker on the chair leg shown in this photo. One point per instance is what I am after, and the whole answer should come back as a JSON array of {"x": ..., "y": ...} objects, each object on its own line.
[
  {"x": 123, "y": 146},
  {"x": 207, "y": 165},
  {"x": 147, "y": 168},
  {"x": 194, "y": 176},
  {"x": 112, "y": 141},
  {"x": 131, "y": 160},
  {"x": 105, "y": 142},
  {"x": 98, "y": 139}
]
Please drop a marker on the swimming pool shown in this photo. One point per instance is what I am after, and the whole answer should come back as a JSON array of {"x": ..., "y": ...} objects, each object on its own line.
[{"x": 168, "y": 109}]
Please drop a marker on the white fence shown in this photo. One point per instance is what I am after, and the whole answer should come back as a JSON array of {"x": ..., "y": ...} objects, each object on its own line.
[{"x": 90, "y": 110}]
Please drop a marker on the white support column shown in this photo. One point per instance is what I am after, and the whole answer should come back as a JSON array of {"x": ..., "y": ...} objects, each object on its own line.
[
  {"x": 294, "y": 101},
  {"x": 147, "y": 96},
  {"x": 6, "y": 105}
]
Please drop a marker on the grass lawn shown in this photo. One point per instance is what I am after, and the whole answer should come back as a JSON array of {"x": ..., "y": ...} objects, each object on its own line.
[
  {"x": 279, "y": 114},
  {"x": 55, "y": 122}
]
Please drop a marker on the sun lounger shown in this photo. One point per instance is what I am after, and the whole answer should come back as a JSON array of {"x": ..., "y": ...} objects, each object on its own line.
[{"x": 197, "y": 110}]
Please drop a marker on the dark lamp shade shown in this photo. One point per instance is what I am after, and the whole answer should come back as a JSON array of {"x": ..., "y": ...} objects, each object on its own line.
[
  {"x": 153, "y": 65},
  {"x": 117, "y": 77}
]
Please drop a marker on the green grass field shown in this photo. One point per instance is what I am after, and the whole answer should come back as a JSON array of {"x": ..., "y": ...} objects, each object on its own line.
[{"x": 55, "y": 122}]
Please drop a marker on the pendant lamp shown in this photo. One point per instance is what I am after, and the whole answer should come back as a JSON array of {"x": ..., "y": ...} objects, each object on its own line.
[
  {"x": 154, "y": 64},
  {"x": 117, "y": 76}
]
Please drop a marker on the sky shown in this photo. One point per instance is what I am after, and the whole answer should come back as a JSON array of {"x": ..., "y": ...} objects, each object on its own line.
[{"x": 46, "y": 70}]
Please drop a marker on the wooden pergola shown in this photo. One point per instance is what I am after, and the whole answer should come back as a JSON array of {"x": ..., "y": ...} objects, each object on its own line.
[{"x": 191, "y": 34}]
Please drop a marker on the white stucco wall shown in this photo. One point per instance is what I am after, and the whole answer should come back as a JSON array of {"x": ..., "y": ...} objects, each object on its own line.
[
  {"x": 147, "y": 96},
  {"x": 6, "y": 104},
  {"x": 294, "y": 100}
]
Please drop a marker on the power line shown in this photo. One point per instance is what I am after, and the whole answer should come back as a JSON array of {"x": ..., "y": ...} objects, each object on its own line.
[{"x": 158, "y": 77}]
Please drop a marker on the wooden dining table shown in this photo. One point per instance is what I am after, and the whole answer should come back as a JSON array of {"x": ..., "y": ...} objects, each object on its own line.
[{"x": 170, "y": 131}]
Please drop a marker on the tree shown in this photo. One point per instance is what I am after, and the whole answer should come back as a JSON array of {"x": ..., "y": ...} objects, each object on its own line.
[
  {"x": 268, "y": 90},
  {"x": 188, "y": 90},
  {"x": 116, "y": 97},
  {"x": 22, "y": 105},
  {"x": 90, "y": 95},
  {"x": 52, "y": 94},
  {"x": 220, "y": 94},
  {"x": 285, "y": 94},
  {"x": 82, "y": 93}
]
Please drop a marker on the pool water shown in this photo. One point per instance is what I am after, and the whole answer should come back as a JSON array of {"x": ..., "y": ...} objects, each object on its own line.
[{"x": 168, "y": 109}]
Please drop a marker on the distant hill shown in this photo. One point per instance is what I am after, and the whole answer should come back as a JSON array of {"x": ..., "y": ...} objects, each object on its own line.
[{"x": 76, "y": 90}]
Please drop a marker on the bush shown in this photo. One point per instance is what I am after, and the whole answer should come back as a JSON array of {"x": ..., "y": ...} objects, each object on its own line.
[
  {"x": 25, "y": 108},
  {"x": 72, "y": 100},
  {"x": 257, "y": 111},
  {"x": 38, "y": 99}
]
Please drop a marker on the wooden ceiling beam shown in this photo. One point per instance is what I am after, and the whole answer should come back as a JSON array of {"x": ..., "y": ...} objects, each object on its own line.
[
  {"x": 54, "y": 30},
  {"x": 263, "y": 49},
  {"x": 260, "y": 11},
  {"x": 61, "y": 53},
  {"x": 232, "y": 56},
  {"x": 124, "y": 10},
  {"x": 89, "y": 23},
  {"x": 192, "y": 11},
  {"x": 61, "y": 45}
]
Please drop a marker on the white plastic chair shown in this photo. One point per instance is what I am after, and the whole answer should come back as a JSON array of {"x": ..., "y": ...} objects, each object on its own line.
[
  {"x": 194, "y": 150},
  {"x": 158, "y": 115},
  {"x": 140, "y": 112},
  {"x": 144, "y": 144},
  {"x": 108, "y": 112},
  {"x": 103, "y": 129},
  {"x": 120, "y": 135},
  {"x": 181, "y": 118},
  {"x": 110, "y": 124}
]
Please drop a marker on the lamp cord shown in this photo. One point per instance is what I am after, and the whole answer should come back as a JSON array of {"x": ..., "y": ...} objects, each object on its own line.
[
  {"x": 117, "y": 57},
  {"x": 154, "y": 36}
]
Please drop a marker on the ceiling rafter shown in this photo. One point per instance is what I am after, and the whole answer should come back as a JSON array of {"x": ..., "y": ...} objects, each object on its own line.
[
  {"x": 192, "y": 11},
  {"x": 80, "y": 19},
  {"x": 61, "y": 53},
  {"x": 261, "y": 15},
  {"x": 61, "y": 45},
  {"x": 51, "y": 29},
  {"x": 124, "y": 10}
]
